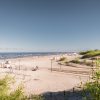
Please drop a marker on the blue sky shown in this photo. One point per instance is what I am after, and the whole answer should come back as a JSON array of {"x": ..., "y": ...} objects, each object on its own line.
[{"x": 49, "y": 25}]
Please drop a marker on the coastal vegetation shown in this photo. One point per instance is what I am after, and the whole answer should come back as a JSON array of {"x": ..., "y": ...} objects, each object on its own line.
[
  {"x": 62, "y": 59},
  {"x": 92, "y": 86},
  {"x": 87, "y": 58},
  {"x": 76, "y": 61},
  {"x": 18, "y": 94},
  {"x": 90, "y": 89},
  {"x": 90, "y": 53},
  {"x": 82, "y": 62}
]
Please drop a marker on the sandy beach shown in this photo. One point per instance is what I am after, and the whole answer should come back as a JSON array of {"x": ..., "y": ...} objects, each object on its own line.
[{"x": 43, "y": 79}]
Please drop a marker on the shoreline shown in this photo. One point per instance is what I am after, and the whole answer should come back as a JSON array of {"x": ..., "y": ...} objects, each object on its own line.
[{"x": 14, "y": 55}]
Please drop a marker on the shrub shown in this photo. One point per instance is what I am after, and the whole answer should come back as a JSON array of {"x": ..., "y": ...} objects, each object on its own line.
[
  {"x": 93, "y": 85},
  {"x": 91, "y": 53},
  {"x": 4, "y": 90},
  {"x": 85, "y": 52},
  {"x": 18, "y": 94},
  {"x": 76, "y": 61},
  {"x": 84, "y": 62},
  {"x": 62, "y": 59}
]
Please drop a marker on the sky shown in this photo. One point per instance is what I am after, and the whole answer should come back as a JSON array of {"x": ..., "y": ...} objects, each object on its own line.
[{"x": 49, "y": 25}]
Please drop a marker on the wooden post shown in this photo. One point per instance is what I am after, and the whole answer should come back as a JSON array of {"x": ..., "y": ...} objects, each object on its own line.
[
  {"x": 51, "y": 94},
  {"x": 23, "y": 76},
  {"x": 51, "y": 64},
  {"x": 73, "y": 90},
  {"x": 92, "y": 68},
  {"x": 19, "y": 64},
  {"x": 64, "y": 93},
  {"x": 60, "y": 66}
]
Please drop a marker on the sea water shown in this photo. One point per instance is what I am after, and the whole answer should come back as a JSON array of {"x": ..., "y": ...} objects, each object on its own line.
[{"x": 8, "y": 55}]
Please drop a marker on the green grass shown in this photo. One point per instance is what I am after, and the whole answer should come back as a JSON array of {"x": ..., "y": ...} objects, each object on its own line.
[
  {"x": 62, "y": 59},
  {"x": 84, "y": 62},
  {"x": 91, "y": 53},
  {"x": 18, "y": 94},
  {"x": 92, "y": 86}
]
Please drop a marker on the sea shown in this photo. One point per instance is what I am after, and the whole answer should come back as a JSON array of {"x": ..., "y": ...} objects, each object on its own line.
[{"x": 10, "y": 55}]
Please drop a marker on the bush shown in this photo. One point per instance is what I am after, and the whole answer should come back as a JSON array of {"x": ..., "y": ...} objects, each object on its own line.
[
  {"x": 75, "y": 61},
  {"x": 62, "y": 59},
  {"x": 84, "y": 62},
  {"x": 91, "y": 53},
  {"x": 5, "y": 88},
  {"x": 85, "y": 52},
  {"x": 93, "y": 85},
  {"x": 18, "y": 94}
]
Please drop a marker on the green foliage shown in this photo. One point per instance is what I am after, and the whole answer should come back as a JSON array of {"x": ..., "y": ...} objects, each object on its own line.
[
  {"x": 85, "y": 52},
  {"x": 75, "y": 61},
  {"x": 36, "y": 97},
  {"x": 84, "y": 62},
  {"x": 91, "y": 53},
  {"x": 62, "y": 59},
  {"x": 3, "y": 85},
  {"x": 18, "y": 94},
  {"x": 93, "y": 85},
  {"x": 5, "y": 88}
]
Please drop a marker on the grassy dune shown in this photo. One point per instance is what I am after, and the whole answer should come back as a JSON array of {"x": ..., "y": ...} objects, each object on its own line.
[{"x": 90, "y": 53}]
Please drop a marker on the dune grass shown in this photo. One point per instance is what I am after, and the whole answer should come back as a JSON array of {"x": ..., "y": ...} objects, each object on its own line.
[
  {"x": 62, "y": 59},
  {"x": 92, "y": 86},
  {"x": 84, "y": 62},
  {"x": 18, "y": 94},
  {"x": 90, "y": 53}
]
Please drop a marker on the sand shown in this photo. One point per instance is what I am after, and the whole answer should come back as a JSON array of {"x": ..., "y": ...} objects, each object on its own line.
[{"x": 44, "y": 80}]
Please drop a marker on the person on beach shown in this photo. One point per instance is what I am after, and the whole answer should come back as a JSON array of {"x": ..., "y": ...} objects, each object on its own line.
[{"x": 34, "y": 69}]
